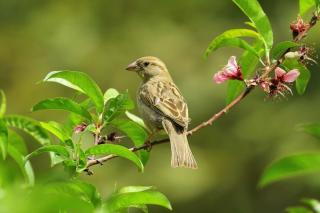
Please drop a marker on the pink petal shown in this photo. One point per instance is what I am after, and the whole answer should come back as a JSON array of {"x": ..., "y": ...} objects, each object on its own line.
[
  {"x": 220, "y": 77},
  {"x": 291, "y": 76},
  {"x": 232, "y": 67},
  {"x": 232, "y": 62},
  {"x": 279, "y": 72}
]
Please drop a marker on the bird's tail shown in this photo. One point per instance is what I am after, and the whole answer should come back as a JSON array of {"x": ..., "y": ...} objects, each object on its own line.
[{"x": 181, "y": 155}]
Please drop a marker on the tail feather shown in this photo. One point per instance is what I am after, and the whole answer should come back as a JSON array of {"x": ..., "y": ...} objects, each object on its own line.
[{"x": 181, "y": 155}]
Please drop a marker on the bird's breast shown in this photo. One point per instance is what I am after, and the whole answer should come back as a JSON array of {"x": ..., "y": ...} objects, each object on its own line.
[{"x": 151, "y": 117}]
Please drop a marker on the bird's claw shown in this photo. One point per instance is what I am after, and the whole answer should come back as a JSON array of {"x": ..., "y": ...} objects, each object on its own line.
[
  {"x": 148, "y": 145},
  {"x": 89, "y": 172}
]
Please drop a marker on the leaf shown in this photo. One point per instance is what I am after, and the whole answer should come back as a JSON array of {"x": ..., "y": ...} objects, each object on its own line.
[
  {"x": 137, "y": 120},
  {"x": 78, "y": 81},
  {"x": 232, "y": 42},
  {"x": 3, "y": 103},
  {"x": 298, "y": 209},
  {"x": 116, "y": 106},
  {"x": 227, "y": 38},
  {"x": 128, "y": 189},
  {"x": 29, "y": 126},
  {"x": 306, "y": 5},
  {"x": 82, "y": 162},
  {"x": 280, "y": 48},
  {"x": 249, "y": 23},
  {"x": 91, "y": 192},
  {"x": 255, "y": 13},
  {"x": 3, "y": 139},
  {"x": 120, "y": 201},
  {"x": 311, "y": 129},
  {"x": 77, "y": 189},
  {"x": 136, "y": 133},
  {"x": 234, "y": 89},
  {"x": 57, "y": 149},
  {"x": 313, "y": 203},
  {"x": 17, "y": 142},
  {"x": 57, "y": 130},
  {"x": 112, "y": 149},
  {"x": 33, "y": 128},
  {"x": 25, "y": 166},
  {"x": 304, "y": 77},
  {"x": 290, "y": 166},
  {"x": 62, "y": 104},
  {"x": 248, "y": 63},
  {"x": 110, "y": 93}
]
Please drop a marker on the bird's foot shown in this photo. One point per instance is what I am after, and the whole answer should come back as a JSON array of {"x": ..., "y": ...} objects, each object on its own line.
[
  {"x": 148, "y": 145},
  {"x": 89, "y": 172},
  {"x": 97, "y": 160}
]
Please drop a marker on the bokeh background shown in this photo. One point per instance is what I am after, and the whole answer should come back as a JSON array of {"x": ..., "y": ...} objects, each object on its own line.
[{"x": 102, "y": 37}]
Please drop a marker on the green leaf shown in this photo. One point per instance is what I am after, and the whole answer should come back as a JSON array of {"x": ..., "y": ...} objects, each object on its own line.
[
  {"x": 110, "y": 93},
  {"x": 77, "y": 189},
  {"x": 90, "y": 191},
  {"x": 311, "y": 129},
  {"x": 29, "y": 126},
  {"x": 3, "y": 103},
  {"x": 137, "y": 120},
  {"x": 298, "y": 209},
  {"x": 78, "y": 81},
  {"x": 136, "y": 133},
  {"x": 120, "y": 201},
  {"x": 17, "y": 142},
  {"x": 255, "y": 13},
  {"x": 313, "y": 203},
  {"x": 25, "y": 166},
  {"x": 234, "y": 89},
  {"x": 290, "y": 166},
  {"x": 112, "y": 149},
  {"x": 227, "y": 39},
  {"x": 248, "y": 63},
  {"x": 304, "y": 77},
  {"x": 116, "y": 106},
  {"x": 232, "y": 42},
  {"x": 128, "y": 189},
  {"x": 306, "y": 5},
  {"x": 280, "y": 48},
  {"x": 57, "y": 149},
  {"x": 62, "y": 104},
  {"x": 3, "y": 139},
  {"x": 57, "y": 130},
  {"x": 249, "y": 23}
]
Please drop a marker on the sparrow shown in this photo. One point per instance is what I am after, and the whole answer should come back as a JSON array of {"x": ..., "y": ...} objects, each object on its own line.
[{"x": 162, "y": 107}]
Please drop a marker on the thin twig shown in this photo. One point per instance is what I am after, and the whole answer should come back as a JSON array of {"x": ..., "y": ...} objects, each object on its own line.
[{"x": 216, "y": 116}]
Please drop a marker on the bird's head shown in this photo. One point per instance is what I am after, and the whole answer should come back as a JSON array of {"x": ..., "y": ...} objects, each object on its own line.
[{"x": 148, "y": 67}]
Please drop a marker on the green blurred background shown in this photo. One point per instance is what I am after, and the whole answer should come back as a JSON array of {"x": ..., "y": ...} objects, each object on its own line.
[{"x": 102, "y": 37}]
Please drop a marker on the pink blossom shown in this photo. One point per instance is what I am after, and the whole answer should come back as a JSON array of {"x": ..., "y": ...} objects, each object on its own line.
[
  {"x": 278, "y": 85},
  {"x": 230, "y": 72},
  {"x": 80, "y": 128},
  {"x": 284, "y": 77}
]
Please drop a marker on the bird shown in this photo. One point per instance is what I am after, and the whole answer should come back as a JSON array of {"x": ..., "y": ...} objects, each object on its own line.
[{"x": 162, "y": 107}]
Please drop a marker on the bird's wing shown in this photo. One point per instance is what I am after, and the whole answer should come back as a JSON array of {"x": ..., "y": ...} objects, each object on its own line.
[{"x": 165, "y": 97}]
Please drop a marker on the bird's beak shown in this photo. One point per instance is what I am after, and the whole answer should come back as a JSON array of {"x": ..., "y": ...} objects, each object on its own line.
[{"x": 132, "y": 67}]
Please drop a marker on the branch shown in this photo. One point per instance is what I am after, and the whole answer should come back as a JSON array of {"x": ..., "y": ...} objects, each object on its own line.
[{"x": 223, "y": 111}]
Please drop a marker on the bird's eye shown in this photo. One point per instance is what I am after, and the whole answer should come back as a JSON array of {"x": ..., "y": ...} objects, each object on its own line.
[{"x": 145, "y": 64}]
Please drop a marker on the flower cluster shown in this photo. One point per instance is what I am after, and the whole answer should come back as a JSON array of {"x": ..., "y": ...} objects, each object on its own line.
[
  {"x": 279, "y": 84},
  {"x": 230, "y": 72},
  {"x": 298, "y": 27},
  {"x": 303, "y": 55}
]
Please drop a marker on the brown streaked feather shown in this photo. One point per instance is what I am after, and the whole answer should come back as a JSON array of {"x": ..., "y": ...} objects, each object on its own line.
[{"x": 165, "y": 98}]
